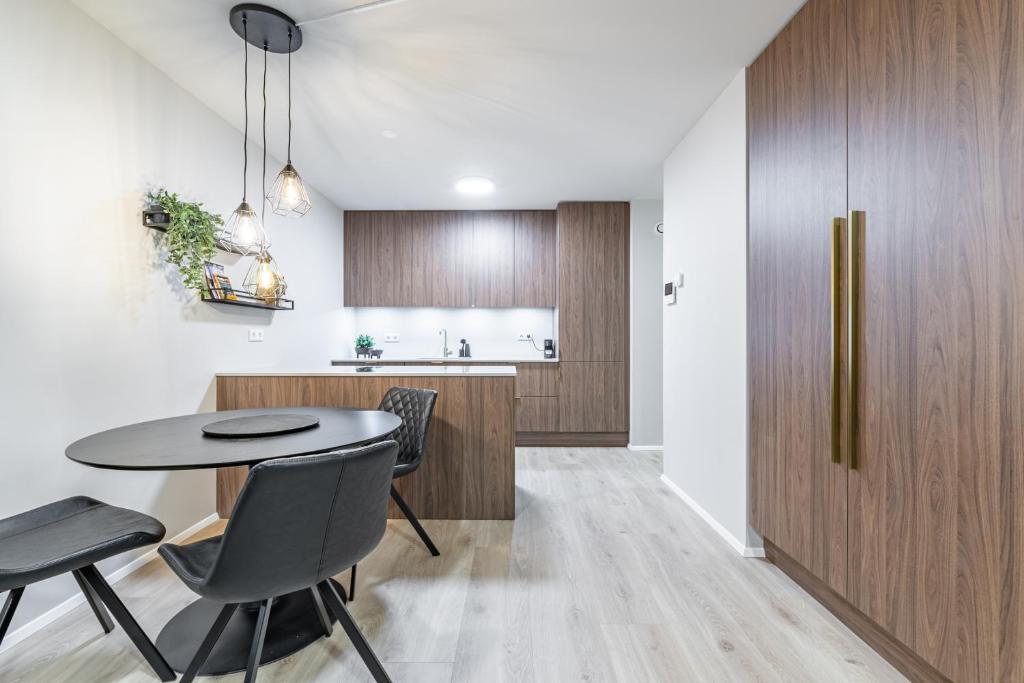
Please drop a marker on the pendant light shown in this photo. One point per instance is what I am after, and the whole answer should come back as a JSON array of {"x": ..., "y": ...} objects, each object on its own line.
[
  {"x": 288, "y": 196},
  {"x": 243, "y": 232}
]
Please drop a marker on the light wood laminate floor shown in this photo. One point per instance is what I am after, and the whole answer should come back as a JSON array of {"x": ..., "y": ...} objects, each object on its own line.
[{"x": 604, "y": 576}]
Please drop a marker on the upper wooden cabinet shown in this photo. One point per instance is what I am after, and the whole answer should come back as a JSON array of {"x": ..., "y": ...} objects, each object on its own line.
[
  {"x": 593, "y": 284},
  {"x": 536, "y": 263},
  {"x": 450, "y": 259}
]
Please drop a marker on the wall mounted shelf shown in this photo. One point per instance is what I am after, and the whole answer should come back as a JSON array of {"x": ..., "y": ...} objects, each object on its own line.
[{"x": 242, "y": 299}]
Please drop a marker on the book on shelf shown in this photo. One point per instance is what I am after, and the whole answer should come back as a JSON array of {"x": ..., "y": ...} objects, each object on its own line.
[{"x": 219, "y": 283}]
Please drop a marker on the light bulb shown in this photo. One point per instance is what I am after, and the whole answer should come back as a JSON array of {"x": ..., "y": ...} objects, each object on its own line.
[{"x": 266, "y": 279}]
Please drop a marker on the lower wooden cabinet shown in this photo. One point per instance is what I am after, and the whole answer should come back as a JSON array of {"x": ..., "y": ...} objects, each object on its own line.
[
  {"x": 537, "y": 379},
  {"x": 595, "y": 397},
  {"x": 537, "y": 414}
]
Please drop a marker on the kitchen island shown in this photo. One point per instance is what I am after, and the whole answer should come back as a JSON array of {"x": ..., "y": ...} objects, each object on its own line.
[{"x": 468, "y": 471}]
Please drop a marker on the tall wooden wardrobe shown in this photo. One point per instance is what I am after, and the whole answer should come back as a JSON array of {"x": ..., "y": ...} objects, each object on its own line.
[{"x": 886, "y": 323}]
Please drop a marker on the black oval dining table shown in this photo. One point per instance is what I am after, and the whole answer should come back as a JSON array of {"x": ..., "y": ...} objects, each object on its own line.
[{"x": 178, "y": 443}]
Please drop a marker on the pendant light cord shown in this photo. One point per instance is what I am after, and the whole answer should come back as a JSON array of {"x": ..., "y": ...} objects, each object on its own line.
[
  {"x": 289, "y": 96},
  {"x": 263, "y": 196},
  {"x": 245, "y": 101}
]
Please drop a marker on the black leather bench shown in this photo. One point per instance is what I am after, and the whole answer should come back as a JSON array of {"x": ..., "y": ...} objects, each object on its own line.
[{"x": 72, "y": 535}]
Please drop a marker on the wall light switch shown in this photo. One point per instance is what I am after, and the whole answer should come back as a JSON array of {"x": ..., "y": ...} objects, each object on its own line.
[
  {"x": 390, "y": 338},
  {"x": 255, "y": 335}
]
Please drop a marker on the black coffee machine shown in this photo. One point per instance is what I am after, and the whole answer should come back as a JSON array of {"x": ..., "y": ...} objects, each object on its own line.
[{"x": 549, "y": 348}]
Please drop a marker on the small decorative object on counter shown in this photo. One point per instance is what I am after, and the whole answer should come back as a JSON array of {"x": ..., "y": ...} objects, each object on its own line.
[
  {"x": 364, "y": 346},
  {"x": 464, "y": 351}
]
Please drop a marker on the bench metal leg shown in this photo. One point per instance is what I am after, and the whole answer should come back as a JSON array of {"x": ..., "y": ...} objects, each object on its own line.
[
  {"x": 128, "y": 623},
  {"x": 7, "y": 613},
  {"x": 94, "y": 601},
  {"x": 354, "y": 634},
  {"x": 411, "y": 516}
]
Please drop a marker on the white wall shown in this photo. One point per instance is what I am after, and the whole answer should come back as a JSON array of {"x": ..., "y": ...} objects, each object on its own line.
[
  {"x": 705, "y": 333},
  {"x": 645, "y": 363},
  {"x": 96, "y": 330},
  {"x": 491, "y": 332}
]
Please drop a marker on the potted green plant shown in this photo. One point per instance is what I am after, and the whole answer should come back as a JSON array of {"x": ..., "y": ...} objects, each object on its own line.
[
  {"x": 364, "y": 344},
  {"x": 191, "y": 235}
]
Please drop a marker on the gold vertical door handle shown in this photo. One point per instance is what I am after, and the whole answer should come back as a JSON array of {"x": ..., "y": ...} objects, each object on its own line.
[
  {"x": 838, "y": 228},
  {"x": 857, "y": 223}
]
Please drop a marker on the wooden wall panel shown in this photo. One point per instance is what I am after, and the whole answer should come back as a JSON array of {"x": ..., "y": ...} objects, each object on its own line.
[
  {"x": 796, "y": 97},
  {"x": 593, "y": 281},
  {"x": 594, "y": 397},
  {"x": 469, "y": 469},
  {"x": 536, "y": 259}
]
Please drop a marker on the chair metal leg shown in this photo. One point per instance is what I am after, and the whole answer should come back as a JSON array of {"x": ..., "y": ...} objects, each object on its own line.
[
  {"x": 352, "y": 584},
  {"x": 7, "y": 612},
  {"x": 407, "y": 511},
  {"x": 206, "y": 647},
  {"x": 128, "y": 623},
  {"x": 354, "y": 634},
  {"x": 94, "y": 601},
  {"x": 321, "y": 611},
  {"x": 256, "y": 650}
]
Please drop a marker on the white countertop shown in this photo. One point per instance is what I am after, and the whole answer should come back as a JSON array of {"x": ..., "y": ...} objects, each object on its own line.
[
  {"x": 399, "y": 371},
  {"x": 439, "y": 360}
]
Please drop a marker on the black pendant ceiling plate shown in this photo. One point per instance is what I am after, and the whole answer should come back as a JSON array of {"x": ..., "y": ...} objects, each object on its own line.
[{"x": 267, "y": 27}]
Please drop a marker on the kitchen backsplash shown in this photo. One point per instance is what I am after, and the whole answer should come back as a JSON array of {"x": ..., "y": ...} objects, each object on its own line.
[{"x": 491, "y": 332}]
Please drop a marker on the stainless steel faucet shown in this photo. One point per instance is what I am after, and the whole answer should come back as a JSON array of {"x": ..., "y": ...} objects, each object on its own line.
[{"x": 445, "y": 352}]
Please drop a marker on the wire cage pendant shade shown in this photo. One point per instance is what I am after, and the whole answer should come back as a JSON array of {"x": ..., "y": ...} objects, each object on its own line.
[
  {"x": 243, "y": 232},
  {"x": 288, "y": 196},
  {"x": 264, "y": 279}
]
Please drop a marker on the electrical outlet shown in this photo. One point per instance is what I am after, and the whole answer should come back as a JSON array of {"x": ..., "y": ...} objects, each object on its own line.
[
  {"x": 525, "y": 336},
  {"x": 390, "y": 338},
  {"x": 255, "y": 335}
]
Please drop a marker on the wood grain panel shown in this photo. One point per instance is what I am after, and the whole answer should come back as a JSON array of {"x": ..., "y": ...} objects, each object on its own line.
[
  {"x": 537, "y": 414},
  {"x": 494, "y": 262},
  {"x": 898, "y": 654},
  {"x": 536, "y": 259},
  {"x": 593, "y": 281},
  {"x": 453, "y": 263},
  {"x": 537, "y": 379},
  {"x": 796, "y": 93},
  {"x": 415, "y": 268},
  {"x": 937, "y": 162},
  {"x": 469, "y": 469},
  {"x": 593, "y": 397},
  {"x": 369, "y": 259}
]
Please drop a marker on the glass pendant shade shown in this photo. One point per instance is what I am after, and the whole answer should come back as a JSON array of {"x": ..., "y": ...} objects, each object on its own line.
[
  {"x": 264, "y": 280},
  {"x": 288, "y": 196},
  {"x": 243, "y": 233}
]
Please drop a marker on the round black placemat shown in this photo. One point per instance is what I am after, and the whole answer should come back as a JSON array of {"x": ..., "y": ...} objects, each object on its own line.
[{"x": 258, "y": 426}]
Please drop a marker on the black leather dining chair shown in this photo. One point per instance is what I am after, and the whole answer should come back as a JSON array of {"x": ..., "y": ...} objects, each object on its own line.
[
  {"x": 72, "y": 535},
  {"x": 415, "y": 407},
  {"x": 296, "y": 523}
]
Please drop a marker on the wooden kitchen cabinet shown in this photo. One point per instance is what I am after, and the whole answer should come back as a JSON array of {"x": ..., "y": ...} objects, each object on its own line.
[
  {"x": 594, "y": 397},
  {"x": 537, "y": 414},
  {"x": 593, "y": 281},
  {"x": 449, "y": 259},
  {"x": 536, "y": 259},
  {"x": 537, "y": 379}
]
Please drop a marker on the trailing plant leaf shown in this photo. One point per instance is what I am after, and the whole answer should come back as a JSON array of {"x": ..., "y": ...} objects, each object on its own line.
[{"x": 191, "y": 236}]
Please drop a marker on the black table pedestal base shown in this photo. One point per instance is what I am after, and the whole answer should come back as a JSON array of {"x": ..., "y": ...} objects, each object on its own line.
[{"x": 294, "y": 624}]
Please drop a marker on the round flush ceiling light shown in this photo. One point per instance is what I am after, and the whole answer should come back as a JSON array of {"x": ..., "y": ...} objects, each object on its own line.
[
  {"x": 475, "y": 185},
  {"x": 389, "y": 134}
]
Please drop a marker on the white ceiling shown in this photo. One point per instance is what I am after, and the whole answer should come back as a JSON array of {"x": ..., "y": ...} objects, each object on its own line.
[{"x": 552, "y": 99}]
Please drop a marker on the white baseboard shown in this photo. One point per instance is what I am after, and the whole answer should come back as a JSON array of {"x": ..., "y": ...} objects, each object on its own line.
[
  {"x": 54, "y": 613},
  {"x": 734, "y": 543},
  {"x": 644, "y": 448}
]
